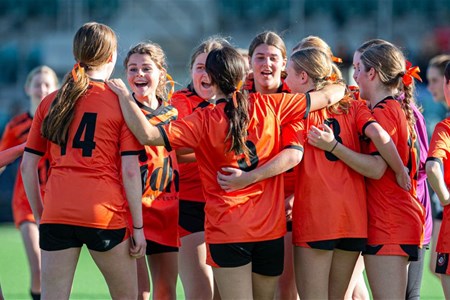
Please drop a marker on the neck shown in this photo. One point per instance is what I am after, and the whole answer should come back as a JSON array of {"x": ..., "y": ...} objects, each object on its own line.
[
  {"x": 379, "y": 95},
  {"x": 150, "y": 101},
  {"x": 266, "y": 90},
  {"x": 100, "y": 73}
]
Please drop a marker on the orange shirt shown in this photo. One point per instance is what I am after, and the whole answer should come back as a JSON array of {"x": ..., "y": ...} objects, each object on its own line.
[
  {"x": 159, "y": 171},
  {"x": 330, "y": 198},
  {"x": 289, "y": 176},
  {"x": 255, "y": 213},
  {"x": 440, "y": 150},
  {"x": 396, "y": 216},
  {"x": 85, "y": 186},
  {"x": 186, "y": 101},
  {"x": 16, "y": 132}
]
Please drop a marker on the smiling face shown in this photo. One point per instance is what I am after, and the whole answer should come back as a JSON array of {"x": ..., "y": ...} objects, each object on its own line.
[
  {"x": 356, "y": 63},
  {"x": 267, "y": 63},
  {"x": 200, "y": 79},
  {"x": 143, "y": 76}
]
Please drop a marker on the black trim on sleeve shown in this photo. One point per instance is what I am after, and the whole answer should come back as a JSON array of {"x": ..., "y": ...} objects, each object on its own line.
[
  {"x": 296, "y": 147},
  {"x": 308, "y": 105},
  {"x": 165, "y": 138},
  {"x": 431, "y": 158},
  {"x": 29, "y": 150},
  {"x": 375, "y": 153},
  {"x": 365, "y": 126},
  {"x": 131, "y": 152}
]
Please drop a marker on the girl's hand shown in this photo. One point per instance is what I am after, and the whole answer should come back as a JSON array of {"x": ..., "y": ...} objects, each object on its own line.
[
  {"x": 235, "y": 180},
  {"x": 322, "y": 138},
  {"x": 138, "y": 244},
  {"x": 118, "y": 87}
]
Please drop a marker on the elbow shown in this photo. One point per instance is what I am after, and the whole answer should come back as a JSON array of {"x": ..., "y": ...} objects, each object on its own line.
[
  {"x": 377, "y": 174},
  {"x": 295, "y": 158},
  {"x": 131, "y": 171},
  {"x": 432, "y": 168}
]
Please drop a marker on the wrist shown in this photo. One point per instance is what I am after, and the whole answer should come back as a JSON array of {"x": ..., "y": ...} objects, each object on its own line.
[
  {"x": 334, "y": 147},
  {"x": 138, "y": 227}
]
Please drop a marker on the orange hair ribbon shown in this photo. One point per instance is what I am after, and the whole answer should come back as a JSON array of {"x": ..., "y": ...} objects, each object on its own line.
[
  {"x": 172, "y": 86},
  {"x": 336, "y": 59},
  {"x": 332, "y": 77},
  {"x": 238, "y": 88},
  {"x": 74, "y": 71},
  {"x": 410, "y": 73}
]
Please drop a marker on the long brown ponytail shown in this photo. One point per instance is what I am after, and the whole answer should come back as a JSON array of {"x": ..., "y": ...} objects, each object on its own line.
[
  {"x": 226, "y": 67},
  {"x": 93, "y": 45}
]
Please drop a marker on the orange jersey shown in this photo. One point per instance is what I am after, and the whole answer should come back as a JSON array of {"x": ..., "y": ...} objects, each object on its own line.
[
  {"x": 16, "y": 132},
  {"x": 396, "y": 216},
  {"x": 440, "y": 151},
  {"x": 255, "y": 213},
  {"x": 289, "y": 176},
  {"x": 186, "y": 101},
  {"x": 159, "y": 172},
  {"x": 329, "y": 187},
  {"x": 85, "y": 186}
]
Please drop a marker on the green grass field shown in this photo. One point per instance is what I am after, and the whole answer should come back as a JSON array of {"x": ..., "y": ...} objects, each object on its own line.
[{"x": 89, "y": 283}]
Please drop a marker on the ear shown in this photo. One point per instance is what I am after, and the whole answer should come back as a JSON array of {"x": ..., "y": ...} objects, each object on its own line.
[
  {"x": 303, "y": 77},
  {"x": 110, "y": 58},
  {"x": 372, "y": 73},
  {"x": 284, "y": 64}
]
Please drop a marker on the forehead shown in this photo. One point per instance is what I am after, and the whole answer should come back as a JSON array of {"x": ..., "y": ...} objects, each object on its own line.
[
  {"x": 264, "y": 49},
  {"x": 201, "y": 58},
  {"x": 42, "y": 77},
  {"x": 140, "y": 59}
]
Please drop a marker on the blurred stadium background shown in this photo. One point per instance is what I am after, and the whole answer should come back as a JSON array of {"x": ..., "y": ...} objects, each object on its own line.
[{"x": 34, "y": 32}]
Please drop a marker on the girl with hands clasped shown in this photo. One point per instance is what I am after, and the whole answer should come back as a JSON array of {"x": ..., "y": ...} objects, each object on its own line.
[{"x": 94, "y": 173}]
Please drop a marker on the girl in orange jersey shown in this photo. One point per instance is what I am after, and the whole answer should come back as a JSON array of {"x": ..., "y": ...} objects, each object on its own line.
[
  {"x": 395, "y": 227},
  {"x": 435, "y": 78},
  {"x": 437, "y": 167},
  {"x": 40, "y": 82},
  {"x": 145, "y": 66},
  {"x": 415, "y": 269},
  {"x": 196, "y": 276},
  {"x": 267, "y": 55},
  {"x": 244, "y": 247},
  {"x": 94, "y": 170}
]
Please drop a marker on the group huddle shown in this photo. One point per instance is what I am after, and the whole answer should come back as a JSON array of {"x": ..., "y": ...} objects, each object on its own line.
[{"x": 267, "y": 177}]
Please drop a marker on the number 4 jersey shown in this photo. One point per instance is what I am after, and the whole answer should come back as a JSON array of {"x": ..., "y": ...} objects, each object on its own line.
[{"x": 85, "y": 187}]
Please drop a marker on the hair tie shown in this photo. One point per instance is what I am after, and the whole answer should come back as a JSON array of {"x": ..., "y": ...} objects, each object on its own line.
[
  {"x": 336, "y": 59},
  {"x": 332, "y": 77},
  {"x": 411, "y": 72},
  {"x": 172, "y": 86},
  {"x": 238, "y": 88},
  {"x": 74, "y": 71}
]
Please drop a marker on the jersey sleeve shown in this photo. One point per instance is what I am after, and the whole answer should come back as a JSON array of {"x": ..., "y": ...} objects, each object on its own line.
[
  {"x": 363, "y": 116},
  {"x": 36, "y": 143},
  {"x": 440, "y": 142},
  {"x": 293, "y": 135},
  {"x": 289, "y": 107},
  {"x": 182, "y": 103},
  {"x": 186, "y": 132},
  {"x": 388, "y": 124},
  {"x": 129, "y": 145}
]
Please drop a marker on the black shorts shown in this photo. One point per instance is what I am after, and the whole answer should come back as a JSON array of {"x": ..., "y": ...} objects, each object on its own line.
[
  {"x": 267, "y": 257},
  {"x": 54, "y": 237},
  {"x": 411, "y": 251},
  {"x": 289, "y": 226},
  {"x": 156, "y": 248},
  {"x": 192, "y": 217},
  {"x": 346, "y": 244},
  {"x": 442, "y": 265}
]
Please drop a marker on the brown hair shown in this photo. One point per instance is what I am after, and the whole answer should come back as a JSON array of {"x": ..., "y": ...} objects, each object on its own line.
[
  {"x": 390, "y": 64},
  {"x": 439, "y": 62},
  {"x": 447, "y": 72},
  {"x": 159, "y": 58},
  {"x": 319, "y": 67},
  {"x": 93, "y": 46},
  {"x": 226, "y": 68},
  {"x": 272, "y": 39}
]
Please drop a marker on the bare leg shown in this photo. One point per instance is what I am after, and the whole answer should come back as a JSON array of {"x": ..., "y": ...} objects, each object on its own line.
[
  {"x": 164, "y": 270},
  {"x": 318, "y": 262},
  {"x": 58, "y": 269},
  {"x": 286, "y": 289},
  {"x": 264, "y": 287},
  {"x": 387, "y": 276},
  {"x": 341, "y": 272},
  {"x": 445, "y": 280},
  {"x": 196, "y": 276},
  {"x": 357, "y": 289},
  {"x": 234, "y": 283},
  {"x": 30, "y": 237},
  {"x": 119, "y": 270},
  {"x": 143, "y": 279}
]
